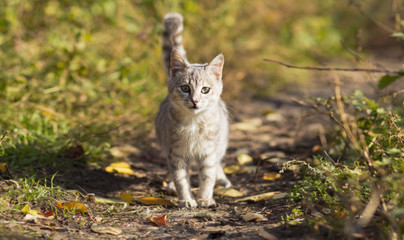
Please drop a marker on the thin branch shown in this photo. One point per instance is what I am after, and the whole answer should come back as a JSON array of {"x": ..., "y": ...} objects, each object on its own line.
[
  {"x": 367, "y": 15},
  {"x": 372, "y": 70},
  {"x": 3, "y": 136}
]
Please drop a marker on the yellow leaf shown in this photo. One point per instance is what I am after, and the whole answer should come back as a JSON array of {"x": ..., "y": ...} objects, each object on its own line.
[
  {"x": 155, "y": 201},
  {"x": 3, "y": 167},
  {"x": 27, "y": 210},
  {"x": 232, "y": 169},
  {"x": 244, "y": 159},
  {"x": 108, "y": 200},
  {"x": 126, "y": 197},
  {"x": 260, "y": 197},
  {"x": 71, "y": 205},
  {"x": 271, "y": 176},
  {"x": 119, "y": 167},
  {"x": 227, "y": 192}
]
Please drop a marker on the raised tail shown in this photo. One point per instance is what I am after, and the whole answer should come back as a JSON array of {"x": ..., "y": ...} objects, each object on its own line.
[{"x": 172, "y": 37}]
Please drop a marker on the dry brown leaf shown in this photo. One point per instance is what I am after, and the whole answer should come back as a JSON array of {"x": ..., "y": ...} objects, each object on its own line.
[
  {"x": 105, "y": 229},
  {"x": 119, "y": 167},
  {"x": 159, "y": 220},
  {"x": 70, "y": 205},
  {"x": 253, "y": 217},
  {"x": 244, "y": 159},
  {"x": 260, "y": 197},
  {"x": 155, "y": 201},
  {"x": 227, "y": 192},
  {"x": 271, "y": 176}
]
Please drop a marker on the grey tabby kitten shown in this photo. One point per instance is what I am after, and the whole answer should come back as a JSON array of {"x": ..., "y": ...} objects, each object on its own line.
[{"x": 192, "y": 124}]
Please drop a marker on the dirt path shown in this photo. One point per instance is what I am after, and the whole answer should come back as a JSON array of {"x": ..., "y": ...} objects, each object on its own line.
[{"x": 272, "y": 131}]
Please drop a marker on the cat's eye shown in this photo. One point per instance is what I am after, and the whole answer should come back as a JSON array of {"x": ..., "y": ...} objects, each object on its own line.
[
  {"x": 205, "y": 90},
  {"x": 185, "y": 88}
]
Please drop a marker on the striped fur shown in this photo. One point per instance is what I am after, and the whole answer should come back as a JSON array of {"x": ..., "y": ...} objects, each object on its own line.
[
  {"x": 192, "y": 123},
  {"x": 172, "y": 37}
]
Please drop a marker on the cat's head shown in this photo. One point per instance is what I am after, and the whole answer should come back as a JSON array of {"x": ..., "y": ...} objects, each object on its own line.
[{"x": 194, "y": 87}]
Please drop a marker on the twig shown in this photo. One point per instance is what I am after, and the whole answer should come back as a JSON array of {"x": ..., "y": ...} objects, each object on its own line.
[
  {"x": 372, "y": 70},
  {"x": 3, "y": 136},
  {"x": 356, "y": 55},
  {"x": 367, "y": 15}
]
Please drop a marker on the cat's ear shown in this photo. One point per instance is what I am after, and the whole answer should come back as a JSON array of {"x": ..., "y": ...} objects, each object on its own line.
[
  {"x": 177, "y": 62},
  {"x": 216, "y": 66}
]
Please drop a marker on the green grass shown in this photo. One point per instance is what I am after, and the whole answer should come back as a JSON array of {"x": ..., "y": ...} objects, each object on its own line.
[{"x": 361, "y": 168}]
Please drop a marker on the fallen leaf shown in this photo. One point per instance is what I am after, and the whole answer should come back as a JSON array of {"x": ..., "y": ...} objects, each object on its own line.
[
  {"x": 105, "y": 229},
  {"x": 248, "y": 124},
  {"x": 204, "y": 215},
  {"x": 108, "y": 200},
  {"x": 316, "y": 148},
  {"x": 119, "y": 167},
  {"x": 3, "y": 167},
  {"x": 247, "y": 169},
  {"x": 159, "y": 220},
  {"x": 275, "y": 117},
  {"x": 231, "y": 169},
  {"x": 155, "y": 201},
  {"x": 260, "y": 197},
  {"x": 71, "y": 205},
  {"x": 126, "y": 197},
  {"x": 227, "y": 192},
  {"x": 27, "y": 210},
  {"x": 253, "y": 217},
  {"x": 272, "y": 154},
  {"x": 244, "y": 159},
  {"x": 32, "y": 214},
  {"x": 124, "y": 151},
  {"x": 30, "y": 217},
  {"x": 48, "y": 214},
  {"x": 236, "y": 169},
  {"x": 271, "y": 176}
]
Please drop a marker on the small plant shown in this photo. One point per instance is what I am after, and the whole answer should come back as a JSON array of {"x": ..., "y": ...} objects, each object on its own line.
[{"x": 360, "y": 177}]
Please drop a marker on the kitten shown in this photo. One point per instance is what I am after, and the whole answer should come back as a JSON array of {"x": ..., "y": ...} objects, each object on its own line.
[{"x": 192, "y": 124}]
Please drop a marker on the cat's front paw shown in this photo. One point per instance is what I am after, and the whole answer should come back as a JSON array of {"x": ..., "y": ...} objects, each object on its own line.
[
  {"x": 187, "y": 203},
  {"x": 203, "y": 203}
]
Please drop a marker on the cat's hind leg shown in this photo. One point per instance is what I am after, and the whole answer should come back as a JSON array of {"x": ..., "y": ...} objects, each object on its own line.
[{"x": 221, "y": 178}]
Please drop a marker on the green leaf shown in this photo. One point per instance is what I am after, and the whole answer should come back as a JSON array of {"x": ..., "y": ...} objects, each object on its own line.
[
  {"x": 387, "y": 79},
  {"x": 371, "y": 103},
  {"x": 398, "y": 35}
]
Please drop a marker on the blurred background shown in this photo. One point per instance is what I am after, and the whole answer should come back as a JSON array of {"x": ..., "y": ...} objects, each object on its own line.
[{"x": 90, "y": 72}]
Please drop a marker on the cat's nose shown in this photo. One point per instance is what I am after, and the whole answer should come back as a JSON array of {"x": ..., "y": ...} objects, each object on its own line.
[{"x": 195, "y": 102}]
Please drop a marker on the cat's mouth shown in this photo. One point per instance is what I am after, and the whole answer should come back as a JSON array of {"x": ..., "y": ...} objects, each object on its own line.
[{"x": 194, "y": 107}]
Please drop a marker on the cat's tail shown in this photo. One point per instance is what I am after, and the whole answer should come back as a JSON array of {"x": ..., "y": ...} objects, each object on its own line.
[{"x": 172, "y": 37}]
